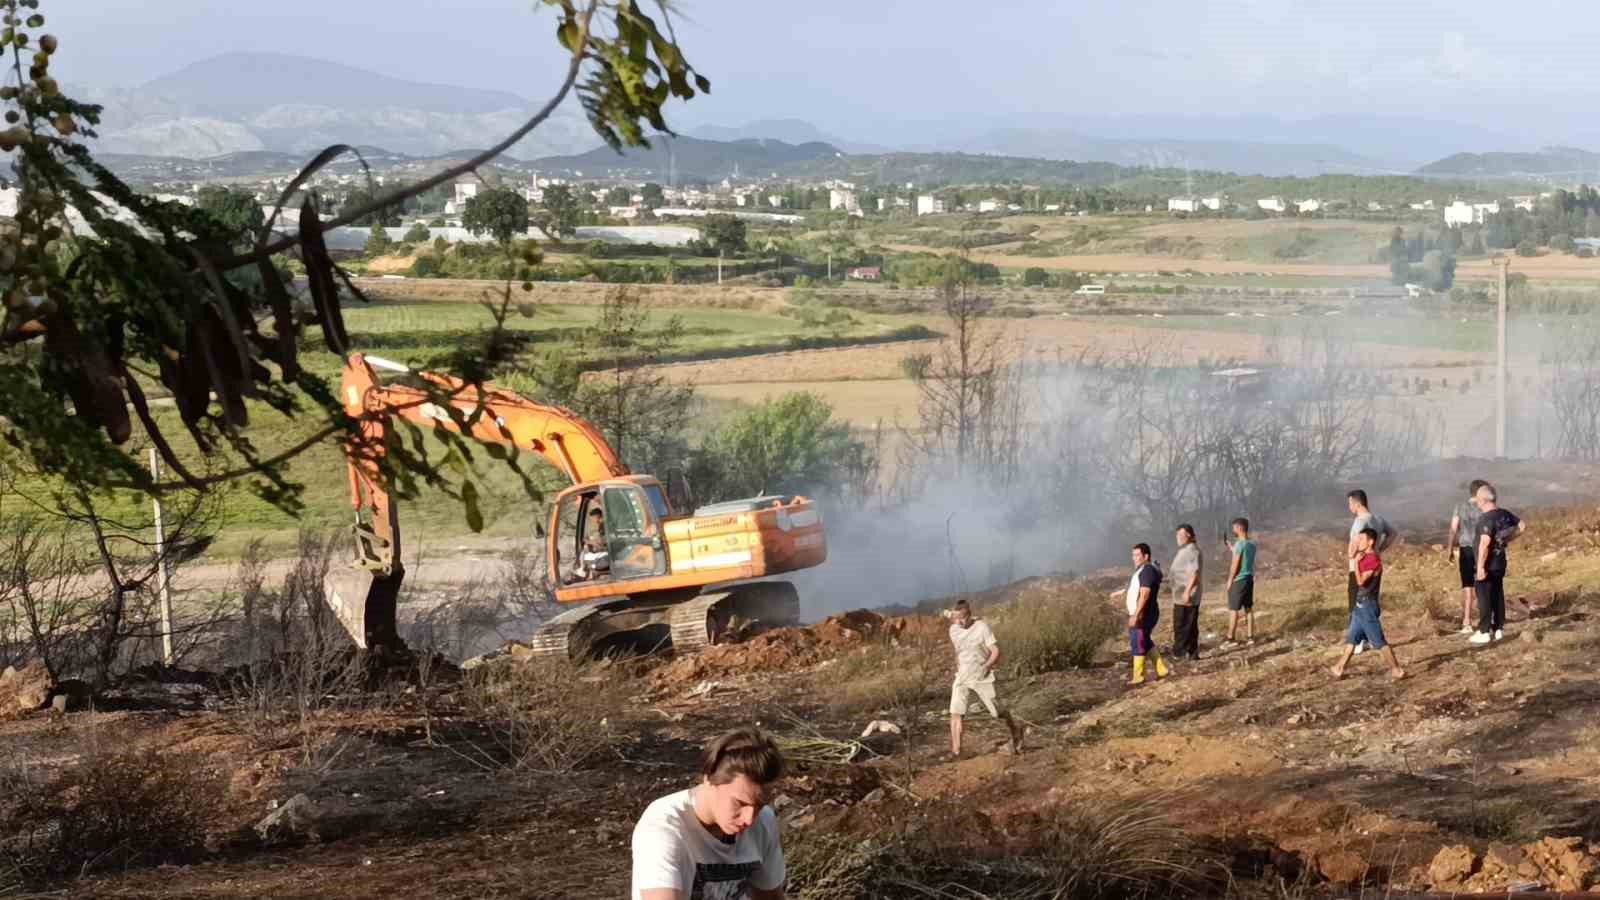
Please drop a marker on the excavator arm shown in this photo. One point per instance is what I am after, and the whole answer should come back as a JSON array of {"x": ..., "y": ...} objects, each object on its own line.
[{"x": 364, "y": 599}]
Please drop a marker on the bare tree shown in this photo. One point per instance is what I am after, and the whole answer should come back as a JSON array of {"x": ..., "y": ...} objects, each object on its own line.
[{"x": 963, "y": 389}]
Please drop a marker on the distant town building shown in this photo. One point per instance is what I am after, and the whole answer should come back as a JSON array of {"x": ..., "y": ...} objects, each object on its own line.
[
  {"x": 1426, "y": 204},
  {"x": 1183, "y": 204},
  {"x": 1462, "y": 213},
  {"x": 843, "y": 198},
  {"x": 1272, "y": 204},
  {"x": 929, "y": 205},
  {"x": 1214, "y": 202},
  {"x": 1374, "y": 206},
  {"x": 988, "y": 205},
  {"x": 864, "y": 273},
  {"x": 1308, "y": 206},
  {"x": 775, "y": 201},
  {"x": 623, "y": 212},
  {"x": 1526, "y": 203}
]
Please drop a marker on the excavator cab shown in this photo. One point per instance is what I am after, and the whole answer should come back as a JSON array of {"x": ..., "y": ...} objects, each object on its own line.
[{"x": 632, "y": 513}]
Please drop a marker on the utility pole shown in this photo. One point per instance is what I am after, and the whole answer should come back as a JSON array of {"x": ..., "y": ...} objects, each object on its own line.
[
  {"x": 719, "y": 266},
  {"x": 163, "y": 571},
  {"x": 1504, "y": 265}
]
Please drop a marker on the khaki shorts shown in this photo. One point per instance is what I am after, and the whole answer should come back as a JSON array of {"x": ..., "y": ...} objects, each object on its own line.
[{"x": 985, "y": 692}]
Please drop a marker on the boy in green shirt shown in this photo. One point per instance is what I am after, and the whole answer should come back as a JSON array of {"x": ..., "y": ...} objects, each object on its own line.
[{"x": 1242, "y": 583}]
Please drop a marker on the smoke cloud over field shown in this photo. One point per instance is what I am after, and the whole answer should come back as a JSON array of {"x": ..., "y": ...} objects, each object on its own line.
[{"x": 1099, "y": 455}]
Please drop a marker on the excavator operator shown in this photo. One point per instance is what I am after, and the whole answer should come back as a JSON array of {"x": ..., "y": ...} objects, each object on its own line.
[{"x": 596, "y": 559}]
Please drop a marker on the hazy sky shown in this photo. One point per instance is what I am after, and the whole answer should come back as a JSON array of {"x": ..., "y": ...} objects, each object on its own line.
[{"x": 860, "y": 67}]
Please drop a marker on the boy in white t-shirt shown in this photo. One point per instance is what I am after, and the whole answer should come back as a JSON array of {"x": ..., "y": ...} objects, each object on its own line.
[
  {"x": 977, "y": 653},
  {"x": 717, "y": 840}
]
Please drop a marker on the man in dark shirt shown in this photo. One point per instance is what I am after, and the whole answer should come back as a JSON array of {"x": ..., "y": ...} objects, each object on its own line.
[
  {"x": 1464, "y": 549},
  {"x": 1496, "y": 528},
  {"x": 1144, "y": 613}
]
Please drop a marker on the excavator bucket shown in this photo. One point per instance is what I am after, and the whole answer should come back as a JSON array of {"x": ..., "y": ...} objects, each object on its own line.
[{"x": 364, "y": 603}]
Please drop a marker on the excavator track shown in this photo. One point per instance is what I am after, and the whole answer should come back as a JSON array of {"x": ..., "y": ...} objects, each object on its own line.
[
  {"x": 574, "y": 632},
  {"x": 698, "y": 623}
]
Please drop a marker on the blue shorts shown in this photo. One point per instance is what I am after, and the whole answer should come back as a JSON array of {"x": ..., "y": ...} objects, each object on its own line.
[{"x": 1364, "y": 626}]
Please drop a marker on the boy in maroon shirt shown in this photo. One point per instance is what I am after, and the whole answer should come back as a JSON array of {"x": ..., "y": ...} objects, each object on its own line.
[{"x": 1364, "y": 624}]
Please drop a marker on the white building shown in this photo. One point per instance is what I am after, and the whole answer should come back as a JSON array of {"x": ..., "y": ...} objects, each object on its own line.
[
  {"x": 1426, "y": 204},
  {"x": 1374, "y": 206},
  {"x": 623, "y": 212},
  {"x": 1462, "y": 213},
  {"x": 929, "y": 205},
  {"x": 882, "y": 202},
  {"x": 1272, "y": 204},
  {"x": 1213, "y": 203},
  {"x": 1183, "y": 204},
  {"x": 1524, "y": 203},
  {"x": 1308, "y": 206},
  {"x": 988, "y": 205},
  {"x": 843, "y": 198},
  {"x": 775, "y": 201}
]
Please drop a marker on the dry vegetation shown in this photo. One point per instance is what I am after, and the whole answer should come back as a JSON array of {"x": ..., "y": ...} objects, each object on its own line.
[{"x": 1247, "y": 774}]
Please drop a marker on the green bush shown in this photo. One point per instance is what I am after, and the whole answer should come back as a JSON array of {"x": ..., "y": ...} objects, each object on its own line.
[{"x": 1047, "y": 630}]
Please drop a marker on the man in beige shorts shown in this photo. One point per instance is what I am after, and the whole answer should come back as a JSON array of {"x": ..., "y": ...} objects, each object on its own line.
[{"x": 977, "y": 653}]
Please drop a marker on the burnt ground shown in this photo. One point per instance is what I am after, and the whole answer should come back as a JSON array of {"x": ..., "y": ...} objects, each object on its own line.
[{"x": 1293, "y": 778}]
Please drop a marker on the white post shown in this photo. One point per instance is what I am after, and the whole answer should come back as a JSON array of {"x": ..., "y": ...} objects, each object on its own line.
[
  {"x": 163, "y": 572},
  {"x": 1500, "y": 367},
  {"x": 719, "y": 267}
]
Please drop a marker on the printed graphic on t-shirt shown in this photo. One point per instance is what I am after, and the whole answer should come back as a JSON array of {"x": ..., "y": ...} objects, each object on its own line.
[{"x": 722, "y": 881}]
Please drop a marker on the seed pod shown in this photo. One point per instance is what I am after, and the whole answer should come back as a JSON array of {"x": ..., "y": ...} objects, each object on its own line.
[{"x": 48, "y": 43}]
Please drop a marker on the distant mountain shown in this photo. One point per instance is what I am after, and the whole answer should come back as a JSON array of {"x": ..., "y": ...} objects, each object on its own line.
[
  {"x": 245, "y": 84},
  {"x": 790, "y": 131},
  {"x": 265, "y": 101},
  {"x": 1563, "y": 163},
  {"x": 690, "y": 158},
  {"x": 1243, "y": 157}
]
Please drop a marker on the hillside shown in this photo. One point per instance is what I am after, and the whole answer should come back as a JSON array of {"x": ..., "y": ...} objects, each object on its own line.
[
  {"x": 1569, "y": 164},
  {"x": 1243, "y": 157},
  {"x": 297, "y": 105},
  {"x": 691, "y": 158},
  {"x": 1251, "y": 772}
]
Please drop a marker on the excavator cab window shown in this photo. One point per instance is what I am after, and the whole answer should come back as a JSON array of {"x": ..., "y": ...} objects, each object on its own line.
[
  {"x": 632, "y": 533},
  {"x": 569, "y": 539},
  {"x": 680, "y": 495}
]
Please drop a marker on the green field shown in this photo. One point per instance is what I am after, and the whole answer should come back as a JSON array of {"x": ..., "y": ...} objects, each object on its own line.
[{"x": 415, "y": 332}]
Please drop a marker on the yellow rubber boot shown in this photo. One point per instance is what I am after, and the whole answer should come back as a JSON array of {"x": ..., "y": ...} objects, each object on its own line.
[
  {"x": 1161, "y": 664},
  {"x": 1138, "y": 670}
]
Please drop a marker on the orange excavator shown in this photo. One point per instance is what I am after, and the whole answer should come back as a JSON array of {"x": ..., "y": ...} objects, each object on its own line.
[{"x": 628, "y": 558}]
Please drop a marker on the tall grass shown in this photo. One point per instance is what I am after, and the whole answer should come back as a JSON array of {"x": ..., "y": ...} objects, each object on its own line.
[
  {"x": 1085, "y": 851},
  {"x": 1049, "y": 630},
  {"x": 541, "y": 715}
]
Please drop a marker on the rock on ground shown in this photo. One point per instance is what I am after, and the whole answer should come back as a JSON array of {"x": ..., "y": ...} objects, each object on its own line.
[{"x": 24, "y": 690}]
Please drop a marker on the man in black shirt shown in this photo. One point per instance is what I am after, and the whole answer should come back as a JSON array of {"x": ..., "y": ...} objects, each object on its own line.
[
  {"x": 1496, "y": 528},
  {"x": 1143, "y": 613}
]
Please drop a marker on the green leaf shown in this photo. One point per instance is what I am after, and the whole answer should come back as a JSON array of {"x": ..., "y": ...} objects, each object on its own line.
[{"x": 469, "y": 499}]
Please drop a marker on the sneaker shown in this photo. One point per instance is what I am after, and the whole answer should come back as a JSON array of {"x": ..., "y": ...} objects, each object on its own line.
[
  {"x": 1482, "y": 637},
  {"x": 1360, "y": 649},
  {"x": 1498, "y": 634}
]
